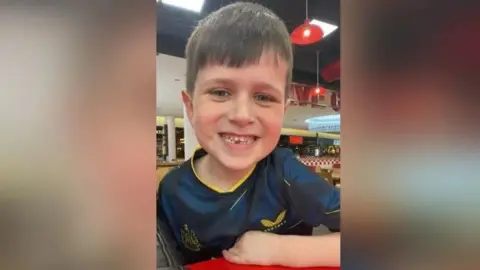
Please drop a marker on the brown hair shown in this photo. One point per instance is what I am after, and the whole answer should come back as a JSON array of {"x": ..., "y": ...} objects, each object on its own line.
[{"x": 236, "y": 35}]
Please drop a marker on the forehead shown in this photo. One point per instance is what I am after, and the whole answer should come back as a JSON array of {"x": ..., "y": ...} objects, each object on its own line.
[{"x": 270, "y": 67}]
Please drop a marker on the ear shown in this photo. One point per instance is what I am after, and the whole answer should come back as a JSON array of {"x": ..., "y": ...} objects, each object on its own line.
[
  {"x": 188, "y": 103},
  {"x": 287, "y": 104}
]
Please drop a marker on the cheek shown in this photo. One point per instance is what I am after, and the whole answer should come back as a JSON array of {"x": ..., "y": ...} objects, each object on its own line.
[
  {"x": 206, "y": 114},
  {"x": 272, "y": 121},
  {"x": 274, "y": 129}
]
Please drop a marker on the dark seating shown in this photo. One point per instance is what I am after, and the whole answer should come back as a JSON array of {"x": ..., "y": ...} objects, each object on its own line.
[{"x": 168, "y": 256}]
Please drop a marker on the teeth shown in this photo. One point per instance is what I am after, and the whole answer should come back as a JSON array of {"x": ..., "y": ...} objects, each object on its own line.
[{"x": 238, "y": 139}]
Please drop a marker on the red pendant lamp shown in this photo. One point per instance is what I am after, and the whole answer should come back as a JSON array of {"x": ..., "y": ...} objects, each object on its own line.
[
  {"x": 320, "y": 91},
  {"x": 306, "y": 33}
]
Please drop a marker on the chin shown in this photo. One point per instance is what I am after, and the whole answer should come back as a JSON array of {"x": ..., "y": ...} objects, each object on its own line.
[{"x": 237, "y": 164}]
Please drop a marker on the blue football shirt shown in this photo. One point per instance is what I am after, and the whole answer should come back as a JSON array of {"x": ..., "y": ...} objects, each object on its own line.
[{"x": 280, "y": 195}]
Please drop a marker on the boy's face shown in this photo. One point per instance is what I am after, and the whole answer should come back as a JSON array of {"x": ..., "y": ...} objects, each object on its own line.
[{"x": 237, "y": 113}]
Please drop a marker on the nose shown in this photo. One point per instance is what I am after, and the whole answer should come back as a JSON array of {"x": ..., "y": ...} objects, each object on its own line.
[{"x": 241, "y": 112}]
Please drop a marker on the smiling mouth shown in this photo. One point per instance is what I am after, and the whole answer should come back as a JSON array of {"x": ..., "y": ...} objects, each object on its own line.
[{"x": 238, "y": 139}]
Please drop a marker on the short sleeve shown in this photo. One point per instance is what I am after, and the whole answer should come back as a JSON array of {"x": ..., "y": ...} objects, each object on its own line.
[{"x": 312, "y": 198}]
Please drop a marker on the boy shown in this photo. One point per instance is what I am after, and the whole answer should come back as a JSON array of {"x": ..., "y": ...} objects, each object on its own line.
[{"x": 239, "y": 197}]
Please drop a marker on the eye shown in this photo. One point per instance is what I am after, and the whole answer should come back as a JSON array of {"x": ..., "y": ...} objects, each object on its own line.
[
  {"x": 219, "y": 92},
  {"x": 264, "y": 98}
]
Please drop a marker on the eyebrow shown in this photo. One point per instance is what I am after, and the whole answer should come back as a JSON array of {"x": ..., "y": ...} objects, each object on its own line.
[
  {"x": 214, "y": 81},
  {"x": 264, "y": 85},
  {"x": 232, "y": 83}
]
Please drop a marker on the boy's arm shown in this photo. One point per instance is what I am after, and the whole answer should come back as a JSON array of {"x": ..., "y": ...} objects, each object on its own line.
[
  {"x": 260, "y": 248},
  {"x": 308, "y": 251},
  {"x": 316, "y": 203}
]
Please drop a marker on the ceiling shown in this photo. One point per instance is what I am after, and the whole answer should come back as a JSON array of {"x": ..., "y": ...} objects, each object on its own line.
[
  {"x": 171, "y": 81},
  {"x": 174, "y": 26}
]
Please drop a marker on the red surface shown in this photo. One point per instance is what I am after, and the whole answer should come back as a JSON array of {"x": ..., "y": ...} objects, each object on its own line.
[{"x": 221, "y": 264}]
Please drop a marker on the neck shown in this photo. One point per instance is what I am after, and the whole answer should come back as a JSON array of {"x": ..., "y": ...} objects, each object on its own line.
[{"x": 219, "y": 175}]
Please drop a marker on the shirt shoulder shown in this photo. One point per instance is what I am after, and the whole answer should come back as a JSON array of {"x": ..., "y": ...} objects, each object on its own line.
[
  {"x": 282, "y": 152},
  {"x": 282, "y": 159},
  {"x": 170, "y": 182},
  {"x": 277, "y": 164},
  {"x": 291, "y": 168},
  {"x": 280, "y": 155}
]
